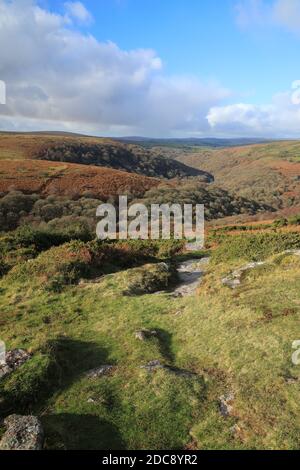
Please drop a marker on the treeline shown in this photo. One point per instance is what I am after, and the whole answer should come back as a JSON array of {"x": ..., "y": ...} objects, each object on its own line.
[{"x": 130, "y": 158}]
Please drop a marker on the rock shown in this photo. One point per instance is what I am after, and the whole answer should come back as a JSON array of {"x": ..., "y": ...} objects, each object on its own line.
[
  {"x": 153, "y": 365},
  {"x": 235, "y": 430},
  {"x": 99, "y": 371},
  {"x": 143, "y": 335},
  {"x": 225, "y": 404},
  {"x": 148, "y": 279},
  {"x": 91, "y": 400},
  {"x": 233, "y": 280},
  {"x": 13, "y": 359},
  {"x": 291, "y": 380},
  {"x": 22, "y": 433},
  {"x": 190, "y": 274}
]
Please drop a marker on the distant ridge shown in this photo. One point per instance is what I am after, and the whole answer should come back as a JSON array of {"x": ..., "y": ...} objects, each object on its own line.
[{"x": 193, "y": 141}]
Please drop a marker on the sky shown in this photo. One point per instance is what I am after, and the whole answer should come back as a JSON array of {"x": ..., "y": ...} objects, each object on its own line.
[{"x": 156, "y": 68}]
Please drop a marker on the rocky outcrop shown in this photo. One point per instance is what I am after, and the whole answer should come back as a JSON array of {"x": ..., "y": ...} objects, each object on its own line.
[
  {"x": 99, "y": 371},
  {"x": 152, "y": 366},
  {"x": 148, "y": 279},
  {"x": 143, "y": 335},
  {"x": 22, "y": 433},
  {"x": 233, "y": 280},
  {"x": 190, "y": 274},
  {"x": 13, "y": 359},
  {"x": 225, "y": 404}
]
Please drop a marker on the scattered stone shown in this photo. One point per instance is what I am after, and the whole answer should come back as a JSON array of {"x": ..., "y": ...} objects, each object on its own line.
[
  {"x": 13, "y": 359},
  {"x": 143, "y": 335},
  {"x": 235, "y": 430},
  {"x": 225, "y": 404},
  {"x": 291, "y": 380},
  {"x": 233, "y": 280},
  {"x": 179, "y": 312},
  {"x": 153, "y": 365},
  {"x": 99, "y": 371},
  {"x": 22, "y": 433},
  {"x": 190, "y": 274},
  {"x": 292, "y": 252},
  {"x": 91, "y": 400}
]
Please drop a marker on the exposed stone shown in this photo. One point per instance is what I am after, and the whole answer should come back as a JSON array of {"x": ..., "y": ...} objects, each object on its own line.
[
  {"x": 149, "y": 279},
  {"x": 153, "y": 365},
  {"x": 235, "y": 431},
  {"x": 22, "y": 433},
  {"x": 233, "y": 280},
  {"x": 91, "y": 400},
  {"x": 225, "y": 404},
  {"x": 190, "y": 274},
  {"x": 143, "y": 335},
  {"x": 291, "y": 380},
  {"x": 13, "y": 359},
  {"x": 99, "y": 371}
]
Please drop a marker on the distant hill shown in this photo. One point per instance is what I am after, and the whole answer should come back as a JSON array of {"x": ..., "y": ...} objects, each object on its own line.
[
  {"x": 268, "y": 173},
  {"x": 95, "y": 151},
  {"x": 191, "y": 142}
]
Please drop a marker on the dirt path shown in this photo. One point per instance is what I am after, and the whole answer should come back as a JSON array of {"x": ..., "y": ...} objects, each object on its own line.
[{"x": 190, "y": 273}]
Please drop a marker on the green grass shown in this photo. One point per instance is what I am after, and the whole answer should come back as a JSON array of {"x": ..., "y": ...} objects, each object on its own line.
[{"x": 238, "y": 341}]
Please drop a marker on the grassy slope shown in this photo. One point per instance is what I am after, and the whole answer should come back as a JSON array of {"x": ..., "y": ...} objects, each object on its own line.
[
  {"x": 237, "y": 341},
  {"x": 265, "y": 172}
]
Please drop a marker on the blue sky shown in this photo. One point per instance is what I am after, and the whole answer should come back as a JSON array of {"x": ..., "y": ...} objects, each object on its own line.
[
  {"x": 223, "y": 67},
  {"x": 203, "y": 38}
]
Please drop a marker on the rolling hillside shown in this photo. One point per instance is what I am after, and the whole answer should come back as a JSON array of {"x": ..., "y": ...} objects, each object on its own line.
[
  {"x": 66, "y": 179},
  {"x": 268, "y": 173},
  {"x": 94, "y": 151}
]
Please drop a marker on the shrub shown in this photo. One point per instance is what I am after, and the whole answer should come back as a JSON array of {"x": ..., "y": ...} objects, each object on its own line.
[
  {"x": 281, "y": 222},
  {"x": 255, "y": 246},
  {"x": 56, "y": 267},
  {"x": 295, "y": 220}
]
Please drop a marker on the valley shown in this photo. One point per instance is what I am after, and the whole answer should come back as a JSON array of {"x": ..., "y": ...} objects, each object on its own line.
[{"x": 139, "y": 344}]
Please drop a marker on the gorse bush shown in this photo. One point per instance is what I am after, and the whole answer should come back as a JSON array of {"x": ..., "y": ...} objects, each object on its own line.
[
  {"x": 66, "y": 264},
  {"x": 255, "y": 246}
]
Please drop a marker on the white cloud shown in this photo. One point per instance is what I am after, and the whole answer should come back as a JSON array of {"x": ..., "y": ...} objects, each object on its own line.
[
  {"x": 287, "y": 14},
  {"x": 78, "y": 11},
  {"x": 281, "y": 118},
  {"x": 262, "y": 13},
  {"x": 55, "y": 73}
]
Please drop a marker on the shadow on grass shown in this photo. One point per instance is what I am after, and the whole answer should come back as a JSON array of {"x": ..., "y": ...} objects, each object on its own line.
[
  {"x": 53, "y": 369},
  {"x": 80, "y": 432},
  {"x": 165, "y": 344}
]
